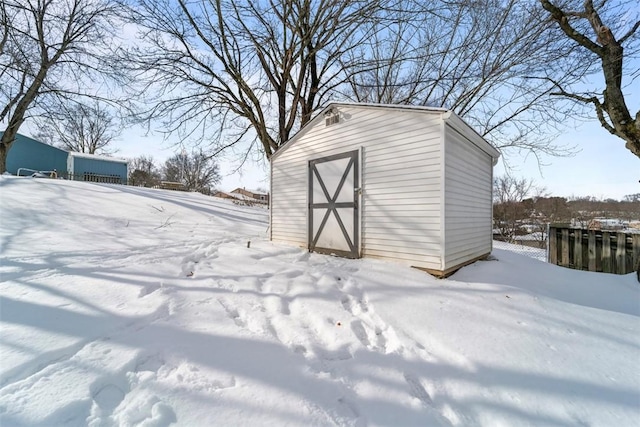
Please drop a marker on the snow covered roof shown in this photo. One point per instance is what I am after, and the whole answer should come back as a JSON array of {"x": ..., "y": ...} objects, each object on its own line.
[{"x": 97, "y": 157}]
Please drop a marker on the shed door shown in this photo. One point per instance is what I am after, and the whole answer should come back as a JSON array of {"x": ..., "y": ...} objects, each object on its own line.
[{"x": 333, "y": 205}]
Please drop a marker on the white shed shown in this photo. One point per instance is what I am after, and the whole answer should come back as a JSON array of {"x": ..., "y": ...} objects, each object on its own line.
[{"x": 402, "y": 183}]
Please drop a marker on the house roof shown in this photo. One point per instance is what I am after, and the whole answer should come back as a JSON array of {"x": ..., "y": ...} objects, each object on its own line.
[
  {"x": 97, "y": 157},
  {"x": 72, "y": 153},
  {"x": 257, "y": 193},
  {"x": 448, "y": 115},
  {"x": 20, "y": 136}
]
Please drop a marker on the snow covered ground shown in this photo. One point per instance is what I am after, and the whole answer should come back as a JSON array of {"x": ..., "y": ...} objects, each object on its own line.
[
  {"x": 535, "y": 253},
  {"x": 128, "y": 306}
]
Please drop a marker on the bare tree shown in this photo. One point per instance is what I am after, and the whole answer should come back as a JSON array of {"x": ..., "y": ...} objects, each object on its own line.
[
  {"x": 197, "y": 171},
  {"x": 143, "y": 172},
  {"x": 608, "y": 32},
  {"x": 244, "y": 74},
  {"x": 254, "y": 70},
  {"x": 509, "y": 211},
  {"x": 632, "y": 198},
  {"x": 545, "y": 210},
  {"x": 80, "y": 127},
  {"x": 476, "y": 58},
  {"x": 49, "y": 50}
]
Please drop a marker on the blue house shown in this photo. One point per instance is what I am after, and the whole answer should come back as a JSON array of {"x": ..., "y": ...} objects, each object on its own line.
[{"x": 27, "y": 155}]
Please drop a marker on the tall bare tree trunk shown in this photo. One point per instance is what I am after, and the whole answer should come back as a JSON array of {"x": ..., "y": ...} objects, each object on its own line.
[{"x": 3, "y": 156}]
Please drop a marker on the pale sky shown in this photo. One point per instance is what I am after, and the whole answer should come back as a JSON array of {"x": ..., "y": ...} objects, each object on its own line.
[
  {"x": 603, "y": 168},
  {"x": 135, "y": 142}
]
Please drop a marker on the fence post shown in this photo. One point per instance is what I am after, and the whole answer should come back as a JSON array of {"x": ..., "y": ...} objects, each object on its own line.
[
  {"x": 606, "y": 253},
  {"x": 565, "y": 247},
  {"x": 636, "y": 249},
  {"x": 547, "y": 241},
  {"x": 621, "y": 254},
  {"x": 577, "y": 248},
  {"x": 553, "y": 246},
  {"x": 592, "y": 250}
]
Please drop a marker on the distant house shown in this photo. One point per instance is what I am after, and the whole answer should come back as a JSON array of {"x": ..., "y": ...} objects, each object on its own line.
[
  {"x": 27, "y": 156},
  {"x": 259, "y": 197},
  {"x": 243, "y": 196},
  {"x": 224, "y": 195},
  {"x": 607, "y": 224}
]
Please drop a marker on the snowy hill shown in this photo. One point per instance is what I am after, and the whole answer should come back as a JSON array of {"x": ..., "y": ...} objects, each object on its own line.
[{"x": 128, "y": 306}]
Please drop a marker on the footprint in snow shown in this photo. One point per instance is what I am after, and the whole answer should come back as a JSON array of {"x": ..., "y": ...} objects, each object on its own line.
[
  {"x": 359, "y": 331},
  {"x": 232, "y": 312},
  {"x": 417, "y": 390},
  {"x": 108, "y": 397}
]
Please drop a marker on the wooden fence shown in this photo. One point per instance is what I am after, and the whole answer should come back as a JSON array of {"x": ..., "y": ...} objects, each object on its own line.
[
  {"x": 594, "y": 250},
  {"x": 170, "y": 185}
]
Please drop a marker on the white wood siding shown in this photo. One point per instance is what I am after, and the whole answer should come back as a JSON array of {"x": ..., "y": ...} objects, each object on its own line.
[
  {"x": 468, "y": 175},
  {"x": 401, "y": 180}
]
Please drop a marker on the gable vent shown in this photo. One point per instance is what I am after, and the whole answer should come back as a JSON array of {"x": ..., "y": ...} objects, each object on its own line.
[{"x": 331, "y": 117}]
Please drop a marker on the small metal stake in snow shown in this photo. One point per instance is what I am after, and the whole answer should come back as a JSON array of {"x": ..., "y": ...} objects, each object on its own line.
[{"x": 249, "y": 244}]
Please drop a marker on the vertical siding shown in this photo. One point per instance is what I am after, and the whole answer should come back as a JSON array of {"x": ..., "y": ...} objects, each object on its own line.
[
  {"x": 468, "y": 172},
  {"x": 28, "y": 153},
  {"x": 82, "y": 165},
  {"x": 401, "y": 178}
]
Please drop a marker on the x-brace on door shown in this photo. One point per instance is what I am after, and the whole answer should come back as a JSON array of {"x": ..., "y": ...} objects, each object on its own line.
[{"x": 333, "y": 204}]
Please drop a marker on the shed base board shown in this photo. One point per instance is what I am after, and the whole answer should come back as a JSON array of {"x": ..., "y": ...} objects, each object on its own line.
[
  {"x": 333, "y": 252},
  {"x": 441, "y": 274}
]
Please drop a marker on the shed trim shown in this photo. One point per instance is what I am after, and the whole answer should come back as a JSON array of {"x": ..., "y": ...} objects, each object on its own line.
[
  {"x": 470, "y": 134},
  {"x": 271, "y": 203},
  {"x": 441, "y": 274},
  {"x": 443, "y": 165}
]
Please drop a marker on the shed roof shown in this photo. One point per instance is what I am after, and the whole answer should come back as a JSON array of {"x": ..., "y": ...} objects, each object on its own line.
[{"x": 448, "y": 115}]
